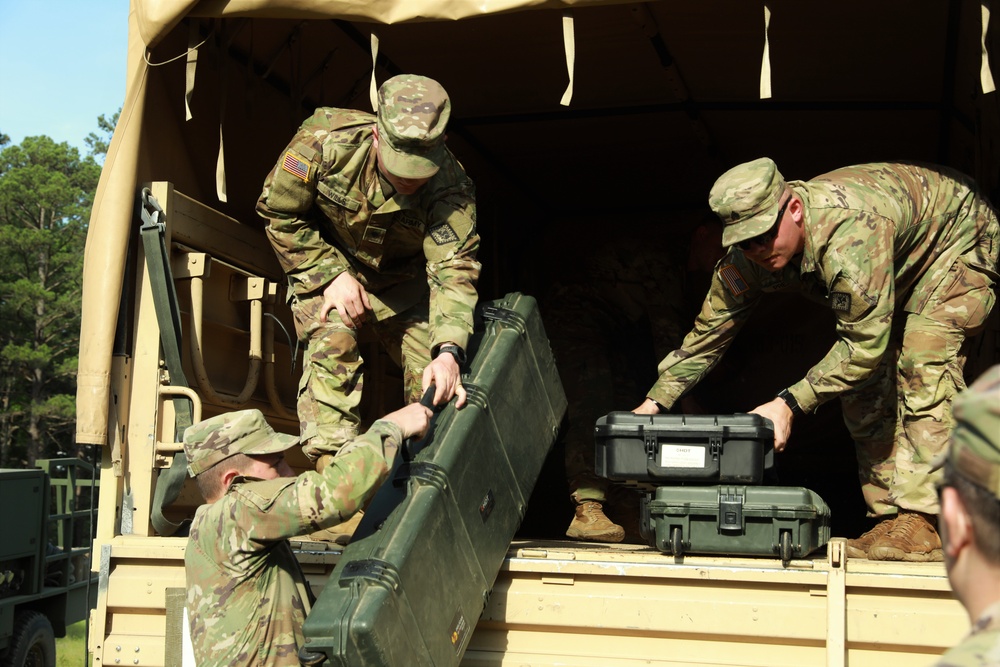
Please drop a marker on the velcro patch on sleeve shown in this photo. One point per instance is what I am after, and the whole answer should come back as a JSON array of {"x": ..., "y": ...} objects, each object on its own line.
[
  {"x": 733, "y": 279},
  {"x": 443, "y": 234},
  {"x": 841, "y": 301},
  {"x": 295, "y": 165}
]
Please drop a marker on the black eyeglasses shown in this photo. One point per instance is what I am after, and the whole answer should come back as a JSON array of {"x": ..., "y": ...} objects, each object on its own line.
[{"x": 768, "y": 236}]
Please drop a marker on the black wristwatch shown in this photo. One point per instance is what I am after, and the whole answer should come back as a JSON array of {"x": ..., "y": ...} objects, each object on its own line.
[
  {"x": 790, "y": 401},
  {"x": 453, "y": 350}
]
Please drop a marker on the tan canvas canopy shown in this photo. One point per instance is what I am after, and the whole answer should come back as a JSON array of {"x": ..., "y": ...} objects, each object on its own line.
[{"x": 573, "y": 118}]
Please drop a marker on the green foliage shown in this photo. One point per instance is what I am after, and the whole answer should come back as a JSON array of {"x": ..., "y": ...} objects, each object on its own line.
[
  {"x": 99, "y": 143},
  {"x": 46, "y": 191}
]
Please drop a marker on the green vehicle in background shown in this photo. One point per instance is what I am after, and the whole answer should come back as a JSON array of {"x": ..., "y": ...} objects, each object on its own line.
[{"x": 46, "y": 583}]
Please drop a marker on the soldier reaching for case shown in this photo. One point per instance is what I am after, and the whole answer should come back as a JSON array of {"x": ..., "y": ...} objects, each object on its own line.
[
  {"x": 246, "y": 596},
  {"x": 906, "y": 257}
]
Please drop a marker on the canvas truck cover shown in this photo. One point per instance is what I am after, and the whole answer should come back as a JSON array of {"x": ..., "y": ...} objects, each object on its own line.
[
  {"x": 132, "y": 156},
  {"x": 564, "y": 112}
]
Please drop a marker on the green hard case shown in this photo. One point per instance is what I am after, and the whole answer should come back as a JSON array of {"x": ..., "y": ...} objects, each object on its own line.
[
  {"x": 410, "y": 587},
  {"x": 777, "y": 521}
]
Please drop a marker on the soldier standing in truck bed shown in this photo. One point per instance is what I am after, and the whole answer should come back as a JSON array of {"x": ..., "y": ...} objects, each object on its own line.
[
  {"x": 617, "y": 308},
  {"x": 374, "y": 222},
  {"x": 906, "y": 257}
]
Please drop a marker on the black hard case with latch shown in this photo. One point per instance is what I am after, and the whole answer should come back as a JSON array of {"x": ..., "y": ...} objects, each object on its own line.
[{"x": 705, "y": 449}]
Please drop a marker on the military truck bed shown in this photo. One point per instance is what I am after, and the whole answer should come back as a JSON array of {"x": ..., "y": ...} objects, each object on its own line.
[
  {"x": 567, "y": 603},
  {"x": 562, "y": 603}
]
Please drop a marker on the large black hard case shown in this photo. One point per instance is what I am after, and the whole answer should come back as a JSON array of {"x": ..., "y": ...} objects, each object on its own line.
[
  {"x": 658, "y": 449},
  {"x": 410, "y": 587},
  {"x": 776, "y": 521}
]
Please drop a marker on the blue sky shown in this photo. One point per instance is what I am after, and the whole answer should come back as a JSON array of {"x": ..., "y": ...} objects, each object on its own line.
[{"x": 62, "y": 64}]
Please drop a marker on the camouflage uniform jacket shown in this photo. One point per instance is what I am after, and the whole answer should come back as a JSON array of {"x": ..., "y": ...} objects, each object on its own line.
[
  {"x": 878, "y": 238},
  {"x": 247, "y": 598},
  {"x": 329, "y": 211},
  {"x": 981, "y": 648}
]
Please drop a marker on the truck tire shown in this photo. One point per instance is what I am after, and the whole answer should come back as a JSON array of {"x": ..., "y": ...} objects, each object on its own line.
[{"x": 33, "y": 643}]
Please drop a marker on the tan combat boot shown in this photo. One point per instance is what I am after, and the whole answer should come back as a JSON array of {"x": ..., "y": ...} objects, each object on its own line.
[
  {"x": 589, "y": 523},
  {"x": 912, "y": 538},
  {"x": 859, "y": 546}
]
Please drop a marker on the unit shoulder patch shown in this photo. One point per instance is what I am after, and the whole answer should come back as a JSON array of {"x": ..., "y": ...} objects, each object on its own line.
[
  {"x": 840, "y": 301},
  {"x": 443, "y": 234}
]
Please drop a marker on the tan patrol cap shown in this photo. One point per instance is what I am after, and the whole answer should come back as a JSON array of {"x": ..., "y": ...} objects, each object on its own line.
[
  {"x": 975, "y": 442},
  {"x": 413, "y": 112},
  {"x": 244, "y": 432},
  {"x": 746, "y": 198}
]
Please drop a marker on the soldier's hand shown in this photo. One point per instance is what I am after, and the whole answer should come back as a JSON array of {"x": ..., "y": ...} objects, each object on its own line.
[
  {"x": 444, "y": 373},
  {"x": 781, "y": 416},
  {"x": 413, "y": 420},
  {"x": 647, "y": 407},
  {"x": 348, "y": 297}
]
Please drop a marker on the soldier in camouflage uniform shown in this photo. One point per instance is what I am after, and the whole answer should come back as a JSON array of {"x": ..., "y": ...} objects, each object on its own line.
[
  {"x": 246, "y": 597},
  {"x": 608, "y": 317},
  {"x": 374, "y": 222},
  {"x": 906, "y": 257},
  {"x": 970, "y": 520}
]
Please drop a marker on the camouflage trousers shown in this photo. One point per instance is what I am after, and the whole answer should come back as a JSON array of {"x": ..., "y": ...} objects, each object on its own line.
[
  {"x": 900, "y": 418},
  {"x": 602, "y": 367},
  {"x": 333, "y": 370}
]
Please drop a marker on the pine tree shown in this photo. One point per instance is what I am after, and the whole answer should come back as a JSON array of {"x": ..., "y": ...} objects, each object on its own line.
[{"x": 46, "y": 191}]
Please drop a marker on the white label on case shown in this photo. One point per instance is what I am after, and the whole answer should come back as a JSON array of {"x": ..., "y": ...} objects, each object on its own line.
[{"x": 682, "y": 456}]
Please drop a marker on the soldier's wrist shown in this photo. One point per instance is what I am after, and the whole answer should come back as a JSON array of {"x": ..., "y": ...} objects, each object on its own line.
[
  {"x": 453, "y": 349},
  {"x": 790, "y": 401}
]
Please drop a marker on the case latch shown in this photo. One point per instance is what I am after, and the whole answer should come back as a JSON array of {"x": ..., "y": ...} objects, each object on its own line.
[{"x": 730, "y": 511}]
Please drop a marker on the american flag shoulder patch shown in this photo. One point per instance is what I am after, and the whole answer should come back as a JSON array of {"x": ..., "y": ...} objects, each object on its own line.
[
  {"x": 296, "y": 166},
  {"x": 733, "y": 279}
]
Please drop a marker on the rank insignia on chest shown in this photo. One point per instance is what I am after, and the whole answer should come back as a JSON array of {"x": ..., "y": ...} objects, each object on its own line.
[
  {"x": 443, "y": 234},
  {"x": 374, "y": 234},
  {"x": 840, "y": 301},
  {"x": 296, "y": 166},
  {"x": 733, "y": 279}
]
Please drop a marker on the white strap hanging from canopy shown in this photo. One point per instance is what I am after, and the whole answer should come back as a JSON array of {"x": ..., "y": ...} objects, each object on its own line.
[
  {"x": 765, "y": 65},
  {"x": 373, "y": 91},
  {"x": 191, "y": 68},
  {"x": 985, "y": 75},
  {"x": 569, "y": 43}
]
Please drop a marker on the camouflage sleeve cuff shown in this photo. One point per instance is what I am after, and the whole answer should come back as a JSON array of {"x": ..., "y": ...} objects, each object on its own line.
[
  {"x": 382, "y": 434},
  {"x": 314, "y": 278},
  {"x": 450, "y": 333},
  {"x": 662, "y": 397},
  {"x": 392, "y": 434},
  {"x": 805, "y": 396}
]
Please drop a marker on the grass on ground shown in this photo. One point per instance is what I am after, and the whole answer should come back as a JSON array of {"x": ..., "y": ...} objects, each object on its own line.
[{"x": 71, "y": 649}]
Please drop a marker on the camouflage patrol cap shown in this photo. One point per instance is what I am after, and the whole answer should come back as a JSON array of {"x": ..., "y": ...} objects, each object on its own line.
[
  {"x": 975, "y": 444},
  {"x": 413, "y": 112},
  {"x": 746, "y": 199},
  {"x": 244, "y": 432}
]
